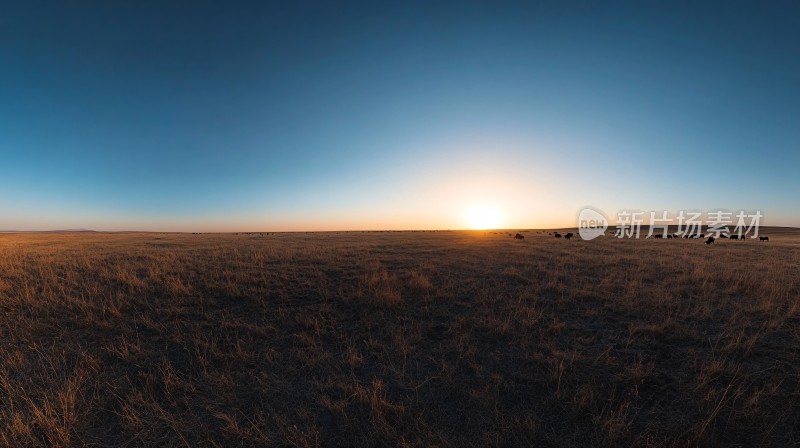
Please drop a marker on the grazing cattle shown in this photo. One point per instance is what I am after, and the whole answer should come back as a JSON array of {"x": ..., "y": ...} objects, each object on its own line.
[
  {"x": 763, "y": 238},
  {"x": 658, "y": 237},
  {"x": 735, "y": 237},
  {"x": 558, "y": 235},
  {"x": 669, "y": 237},
  {"x": 519, "y": 236},
  {"x": 569, "y": 235},
  {"x": 710, "y": 240}
]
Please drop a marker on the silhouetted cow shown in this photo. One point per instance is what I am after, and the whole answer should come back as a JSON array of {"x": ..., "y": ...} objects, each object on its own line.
[
  {"x": 669, "y": 237},
  {"x": 558, "y": 235},
  {"x": 658, "y": 237},
  {"x": 763, "y": 238},
  {"x": 710, "y": 240},
  {"x": 569, "y": 235},
  {"x": 736, "y": 237},
  {"x": 519, "y": 236}
]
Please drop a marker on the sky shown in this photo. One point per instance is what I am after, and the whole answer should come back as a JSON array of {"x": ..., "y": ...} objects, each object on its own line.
[{"x": 280, "y": 116}]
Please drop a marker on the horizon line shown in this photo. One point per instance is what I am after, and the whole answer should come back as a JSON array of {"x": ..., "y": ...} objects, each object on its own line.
[{"x": 509, "y": 229}]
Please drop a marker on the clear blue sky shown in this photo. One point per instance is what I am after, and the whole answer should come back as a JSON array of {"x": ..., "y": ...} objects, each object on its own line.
[{"x": 153, "y": 115}]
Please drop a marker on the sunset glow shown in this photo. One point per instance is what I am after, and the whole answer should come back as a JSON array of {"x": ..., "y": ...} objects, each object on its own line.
[{"x": 482, "y": 217}]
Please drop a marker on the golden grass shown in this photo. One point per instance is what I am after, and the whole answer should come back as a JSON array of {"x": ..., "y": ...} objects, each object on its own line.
[{"x": 397, "y": 339}]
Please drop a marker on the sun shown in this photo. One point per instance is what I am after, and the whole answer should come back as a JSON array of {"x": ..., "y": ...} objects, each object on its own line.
[{"x": 483, "y": 217}]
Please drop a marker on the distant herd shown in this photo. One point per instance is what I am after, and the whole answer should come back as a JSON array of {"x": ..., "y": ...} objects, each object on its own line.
[{"x": 710, "y": 240}]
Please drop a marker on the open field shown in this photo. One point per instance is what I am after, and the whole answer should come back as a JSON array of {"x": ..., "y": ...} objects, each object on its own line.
[{"x": 398, "y": 339}]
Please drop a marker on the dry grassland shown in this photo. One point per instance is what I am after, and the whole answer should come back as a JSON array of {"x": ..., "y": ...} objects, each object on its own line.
[{"x": 397, "y": 339}]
